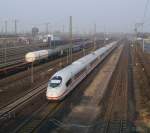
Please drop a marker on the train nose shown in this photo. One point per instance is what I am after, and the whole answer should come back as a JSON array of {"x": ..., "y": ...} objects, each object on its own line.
[{"x": 51, "y": 94}]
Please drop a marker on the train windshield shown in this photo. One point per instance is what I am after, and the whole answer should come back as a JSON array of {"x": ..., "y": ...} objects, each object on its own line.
[{"x": 55, "y": 81}]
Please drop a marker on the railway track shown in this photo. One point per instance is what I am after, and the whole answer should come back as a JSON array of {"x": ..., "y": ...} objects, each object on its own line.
[
  {"x": 142, "y": 82},
  {"x": 143, "y": 75},
  {"x": 12, "y": 112},
  {"x": 20, "y": 101},
  {"x": 117, "y": 126},
  {"x": 116, "y": 107},
  {"x": 144, "y": 62},
  {"x": 119, "y": 92},
  {"x": 40, "y": 116}
]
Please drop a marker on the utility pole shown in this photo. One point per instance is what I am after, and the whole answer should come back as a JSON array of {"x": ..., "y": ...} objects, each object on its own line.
[
  {"x": 63, "y": 29},
  {"x": 5, "y": 52},
  {"x": 15, "y": 26},
  {"x": 143, "y": 35},
  {"x": 70, "y": 31},
  {"x": 94, "y": 37},
  {"x": 47, "y": 27},
  {"x": 2, "y": 30},
  {"x": 138, "y": 25},
  {"x": 104, "y": 34},
  {"x": 6, "y": 26},
  {"x": 94, "y": 28},
  {"x": 143, "y": 44}
]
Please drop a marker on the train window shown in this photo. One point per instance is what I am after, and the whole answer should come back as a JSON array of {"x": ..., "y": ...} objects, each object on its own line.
[
  {"x": 80, "y": 73},
  {"x": 68, "y": 82},
  {"x": 55, "y": 81}
]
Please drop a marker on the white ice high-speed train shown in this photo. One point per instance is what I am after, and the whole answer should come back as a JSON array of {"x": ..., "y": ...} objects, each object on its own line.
[{"x": 65, "y": 80}]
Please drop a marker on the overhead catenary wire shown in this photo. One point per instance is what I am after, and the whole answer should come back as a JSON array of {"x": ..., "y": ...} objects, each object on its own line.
[
  {"x": 144, "y": 15},
  {"x": 142, "y": 23},
  {"x": 143, "y": 20},
  {"x": 145, "y": 10}
]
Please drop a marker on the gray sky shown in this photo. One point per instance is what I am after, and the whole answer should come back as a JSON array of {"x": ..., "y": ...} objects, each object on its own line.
[{"x": 112, "y": 15}]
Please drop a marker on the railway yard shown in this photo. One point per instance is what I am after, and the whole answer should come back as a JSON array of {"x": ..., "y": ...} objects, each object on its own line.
[{"x": 112, "y": 97}]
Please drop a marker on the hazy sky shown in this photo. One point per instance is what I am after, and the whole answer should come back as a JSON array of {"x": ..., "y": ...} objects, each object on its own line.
[{"x": 112, "y": 15}]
